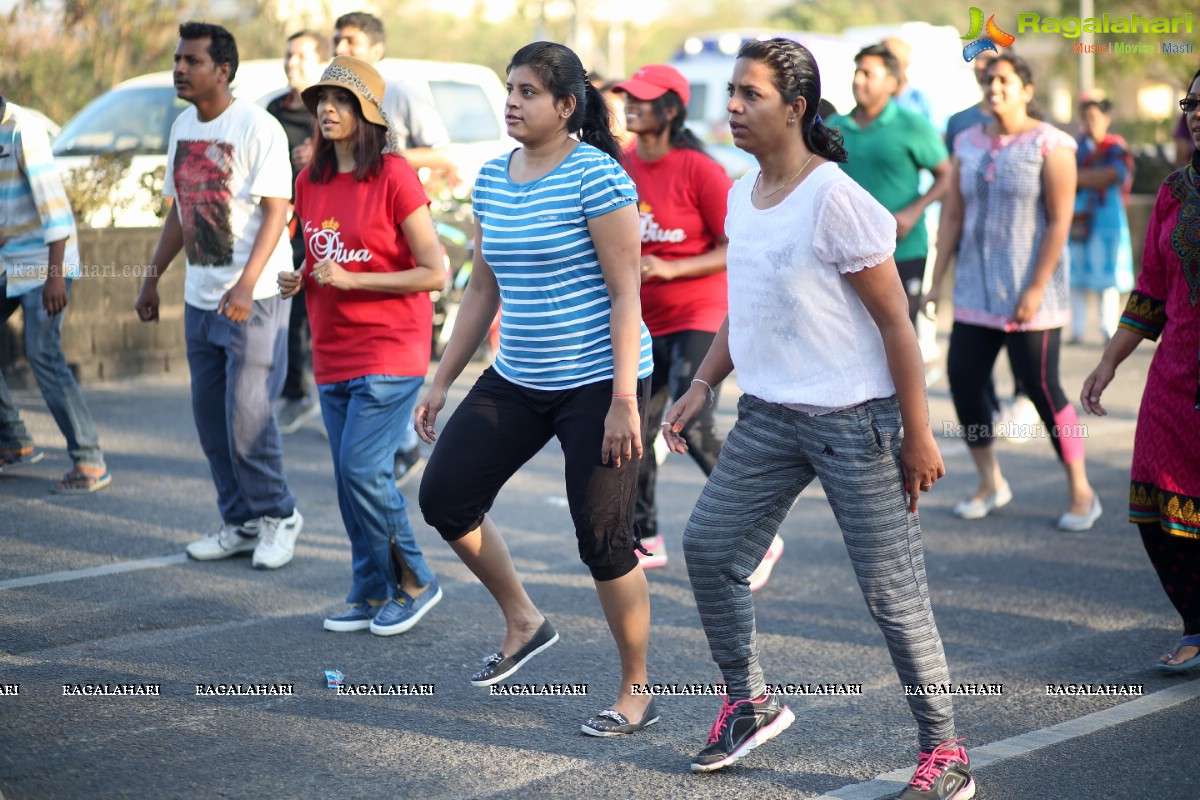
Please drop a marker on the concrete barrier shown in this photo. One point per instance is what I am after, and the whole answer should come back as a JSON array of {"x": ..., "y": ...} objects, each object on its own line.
[{"x": 102, "y": 336}]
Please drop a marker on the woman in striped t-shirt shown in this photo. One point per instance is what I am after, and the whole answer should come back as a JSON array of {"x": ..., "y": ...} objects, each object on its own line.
[{"x": 557, "y": 248}]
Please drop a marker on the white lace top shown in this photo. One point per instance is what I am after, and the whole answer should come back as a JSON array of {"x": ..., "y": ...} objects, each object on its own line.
[{"x": 798, "y": 333}]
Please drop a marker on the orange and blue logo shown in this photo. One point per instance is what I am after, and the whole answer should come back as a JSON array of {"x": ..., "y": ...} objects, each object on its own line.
[{"x": 992, "y": 37}]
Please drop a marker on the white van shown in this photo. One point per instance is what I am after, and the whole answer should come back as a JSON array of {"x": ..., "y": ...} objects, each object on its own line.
[
  {"x": 706, "y": 60},
  {"x": 134, "y": 119}
]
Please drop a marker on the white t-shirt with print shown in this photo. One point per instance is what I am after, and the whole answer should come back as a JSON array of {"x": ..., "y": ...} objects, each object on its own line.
[
  {"x": 217, "y": 171},
  {"x": 798, "y": 333}
]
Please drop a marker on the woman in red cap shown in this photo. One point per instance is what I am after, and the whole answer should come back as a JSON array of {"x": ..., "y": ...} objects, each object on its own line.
[{"x": 681, "y": 199}]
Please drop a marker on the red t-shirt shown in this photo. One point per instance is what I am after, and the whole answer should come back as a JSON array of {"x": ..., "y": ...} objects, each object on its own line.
[
  {"x": 357, "y": 225},
  {"x": 681, "y": 200}
]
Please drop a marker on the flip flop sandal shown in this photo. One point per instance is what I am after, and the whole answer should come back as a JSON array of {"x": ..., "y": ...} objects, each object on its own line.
[
  {"x": 1183, "y": 666},
  {"x": 77, "y": 482},
  {"x": 15, "y": 459}
]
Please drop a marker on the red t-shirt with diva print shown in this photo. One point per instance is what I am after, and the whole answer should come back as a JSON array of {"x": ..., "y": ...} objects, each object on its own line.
[
  {"x": 681, "y": 200},
  {"x": 357, "y": 224}
]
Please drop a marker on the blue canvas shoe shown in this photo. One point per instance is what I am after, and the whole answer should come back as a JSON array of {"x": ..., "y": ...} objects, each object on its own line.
[
  {"x": 356, "y": 618},
  {"x": 401, "y": 613}
]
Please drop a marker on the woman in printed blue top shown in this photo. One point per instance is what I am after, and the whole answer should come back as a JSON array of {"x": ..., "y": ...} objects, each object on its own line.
[{"x": 557, "y": 247}]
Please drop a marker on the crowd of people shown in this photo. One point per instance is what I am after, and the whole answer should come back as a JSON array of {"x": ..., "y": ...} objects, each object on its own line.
[{"x": 631, "y": 274}]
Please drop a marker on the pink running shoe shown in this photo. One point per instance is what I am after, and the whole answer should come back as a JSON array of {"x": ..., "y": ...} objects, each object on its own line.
[
  {"x": 762, "y": 572},
  {"x": 658, "y": 553},
  {"x": 942, "y": 774},
  {"x": 741, "y": 727}
]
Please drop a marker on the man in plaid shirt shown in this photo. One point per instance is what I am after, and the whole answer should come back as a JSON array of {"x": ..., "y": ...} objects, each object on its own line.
[{"x": 38, "y": 259}]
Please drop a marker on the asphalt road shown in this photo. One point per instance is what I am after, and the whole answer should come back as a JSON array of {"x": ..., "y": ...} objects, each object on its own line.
[{"x": 94, "y": 591}]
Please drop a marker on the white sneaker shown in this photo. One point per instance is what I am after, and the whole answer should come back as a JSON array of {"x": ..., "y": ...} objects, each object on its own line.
[
  {"x": 228, "y": 541},
  {"x": 978, "y": 508},
  {"x": 1020, "y": 420},
  {"x": 762, "y": 572},
  {"x": 1082, "y": 522},
  {"x": 292, "y": 414},
  {"x": 278, "y": 541}
]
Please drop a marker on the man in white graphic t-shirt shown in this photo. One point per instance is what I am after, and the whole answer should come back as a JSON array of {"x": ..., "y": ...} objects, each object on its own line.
[{"x": 230, "y": 176}]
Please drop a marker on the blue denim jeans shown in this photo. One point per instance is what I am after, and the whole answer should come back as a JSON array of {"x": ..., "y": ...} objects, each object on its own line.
[
  {"x": 237, "y": 372},
  {"x": 365, "y": 418},
  {"x": 43, "y": 349}
]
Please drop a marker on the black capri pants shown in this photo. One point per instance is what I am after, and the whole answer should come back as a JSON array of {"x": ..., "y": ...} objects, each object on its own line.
[{"x": 498, "y": 427}]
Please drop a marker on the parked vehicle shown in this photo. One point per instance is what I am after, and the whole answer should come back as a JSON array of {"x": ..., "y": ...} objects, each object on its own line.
[
  {"x": 132, "y": 122},
  {"x": 706, "y": 60}
]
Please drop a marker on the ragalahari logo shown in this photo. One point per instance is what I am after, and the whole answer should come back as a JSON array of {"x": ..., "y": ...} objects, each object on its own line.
[{"x": 992, "y": 37}]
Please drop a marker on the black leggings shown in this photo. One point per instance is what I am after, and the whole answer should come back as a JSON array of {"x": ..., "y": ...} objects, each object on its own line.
[
  {"x": 1034, "y": 359},
  {"x": 676, "y": 358},
  {"x": 498, "y": 427},
  {"x": 1176, "y": 559}
]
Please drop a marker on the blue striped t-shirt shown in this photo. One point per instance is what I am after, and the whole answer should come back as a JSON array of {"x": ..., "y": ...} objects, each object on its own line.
[{"x": 554, "y": 323}]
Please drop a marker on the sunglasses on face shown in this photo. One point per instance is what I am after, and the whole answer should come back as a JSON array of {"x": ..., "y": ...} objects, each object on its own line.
[{"x": 1189, "y": 104}]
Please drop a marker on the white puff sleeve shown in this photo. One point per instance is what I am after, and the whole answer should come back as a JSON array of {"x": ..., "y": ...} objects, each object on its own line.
[{"x": 853, "y": 231}]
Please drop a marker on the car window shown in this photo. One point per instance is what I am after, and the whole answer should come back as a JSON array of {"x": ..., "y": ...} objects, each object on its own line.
[
  {"x": 466, "y": 110},
  {"x": 134, "y": 121}
]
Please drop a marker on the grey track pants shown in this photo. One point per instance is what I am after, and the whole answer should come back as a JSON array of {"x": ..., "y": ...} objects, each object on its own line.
[{"x": 770, "y": 456}]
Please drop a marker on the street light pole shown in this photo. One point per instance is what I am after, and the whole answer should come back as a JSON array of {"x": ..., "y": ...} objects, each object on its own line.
[{"x": 1087, "y": 60}]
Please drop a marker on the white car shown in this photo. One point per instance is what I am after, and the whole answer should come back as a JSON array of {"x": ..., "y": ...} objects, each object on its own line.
[
  {"x": 707, "y": 60},
  {"x": 134, "y": 120}
]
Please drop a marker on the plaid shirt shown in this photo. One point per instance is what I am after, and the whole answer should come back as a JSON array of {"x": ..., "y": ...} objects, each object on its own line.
[{"x": 34, "y": 210}]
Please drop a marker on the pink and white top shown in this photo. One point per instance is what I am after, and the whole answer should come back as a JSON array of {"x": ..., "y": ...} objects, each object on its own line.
[{"x": 1004, "y": 221}]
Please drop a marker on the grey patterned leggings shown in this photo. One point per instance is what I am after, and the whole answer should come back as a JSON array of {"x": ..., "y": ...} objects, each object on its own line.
[{"x": 770, "y": 456}]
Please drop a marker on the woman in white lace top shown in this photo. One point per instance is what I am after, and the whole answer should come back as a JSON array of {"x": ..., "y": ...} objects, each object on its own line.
[{"x": 818, "y": 329}]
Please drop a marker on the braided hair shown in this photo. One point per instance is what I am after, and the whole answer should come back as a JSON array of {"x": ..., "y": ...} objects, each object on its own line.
[{"x": 795, "y": 75}]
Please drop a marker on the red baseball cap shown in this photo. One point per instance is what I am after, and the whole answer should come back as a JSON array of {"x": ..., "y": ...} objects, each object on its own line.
[{"x": 653, "y": 81}]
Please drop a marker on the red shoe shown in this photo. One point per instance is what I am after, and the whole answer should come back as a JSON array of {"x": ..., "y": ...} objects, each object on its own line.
[{"x": 658, "y": 553}]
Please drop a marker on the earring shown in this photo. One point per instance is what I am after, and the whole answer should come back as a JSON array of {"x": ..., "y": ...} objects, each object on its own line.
[{"x": 791, "y": 120}]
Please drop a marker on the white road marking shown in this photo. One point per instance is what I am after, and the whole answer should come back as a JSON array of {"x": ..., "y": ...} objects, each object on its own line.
[
  {"x": 889, "y": 783},
  {"x": 94, "y": 572}
]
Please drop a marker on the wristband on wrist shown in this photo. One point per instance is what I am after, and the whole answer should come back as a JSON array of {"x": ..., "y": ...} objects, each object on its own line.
[
  {"x": 624, "y": 394},
  {"x": 711, "y": 394}
]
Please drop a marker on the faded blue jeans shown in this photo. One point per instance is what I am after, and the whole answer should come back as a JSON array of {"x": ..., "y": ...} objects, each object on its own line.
[
  {"x": 366, "y": 418},
  {"x": 237, "y": 373},
  {"x": 43, "y": 349}
]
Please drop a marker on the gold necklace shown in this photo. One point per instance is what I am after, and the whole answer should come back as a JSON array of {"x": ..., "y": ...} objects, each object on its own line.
[{"x": 786, "y": 183}]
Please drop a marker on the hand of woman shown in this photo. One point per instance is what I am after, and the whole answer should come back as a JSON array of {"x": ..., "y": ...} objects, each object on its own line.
[
  {"x": 921, "y": 463},
  {"x": 929, "y": 300},
  {"x": 290, "y": 283},
  {"x": 655, "y": 267},
  {"x": 331, "y": 273},
  {"x": 1028, "y": 304},
  {"x": 1094, "y": 386},
  {"x": 684, "y": 411},
  {"x": 622, "y": 431},
  {"x": 425, "y": 414}
]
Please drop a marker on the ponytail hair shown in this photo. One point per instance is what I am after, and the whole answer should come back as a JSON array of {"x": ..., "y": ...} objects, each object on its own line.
[
  {"x": 678, "y": 134},
  {"x": 795, "y": 74},
  {"x": 563, "y": 75},
  {"x": 592, "y": 122}
]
